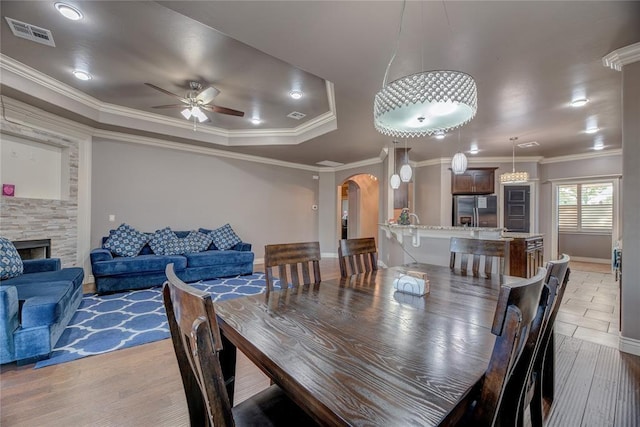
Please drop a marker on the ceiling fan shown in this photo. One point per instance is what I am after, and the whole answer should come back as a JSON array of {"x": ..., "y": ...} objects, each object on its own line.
[{"x": 195, "y": 101}]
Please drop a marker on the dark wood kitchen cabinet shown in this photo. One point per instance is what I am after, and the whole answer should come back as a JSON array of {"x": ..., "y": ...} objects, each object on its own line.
[
  {"x": 526, "y": 254},
  {"x": 473, "y": 181}
]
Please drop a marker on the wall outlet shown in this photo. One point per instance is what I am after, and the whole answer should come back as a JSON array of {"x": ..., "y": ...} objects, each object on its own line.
[{"x": 112, "y": 218}]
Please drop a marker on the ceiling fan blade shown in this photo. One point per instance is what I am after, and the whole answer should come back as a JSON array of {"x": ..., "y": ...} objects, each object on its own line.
[
  {"x": 223, "y": 110},
  {"x": 165, "y": 91},
  {"x": 172, "y": 106},
  {"x": 207, "y": 95}
]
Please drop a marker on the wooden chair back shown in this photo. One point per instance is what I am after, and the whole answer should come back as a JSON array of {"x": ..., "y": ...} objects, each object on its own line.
[
  {"x": 357, "y": 256},
  {"x": 519, "y": 389},
  {"x": 290, "y": 259},
  {"x": 514, "y": 317},
  {"x": 541, "y": 376},
  {"x": 196, "y": 341},
  {"x": 477, "y": 248}
]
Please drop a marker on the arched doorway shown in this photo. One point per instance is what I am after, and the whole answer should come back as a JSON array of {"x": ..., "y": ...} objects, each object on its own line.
[{"x": 358, "y": 202}]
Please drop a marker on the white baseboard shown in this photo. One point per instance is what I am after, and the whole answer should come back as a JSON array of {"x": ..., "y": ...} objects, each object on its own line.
[
  {"x": 629, "y": 345},
  {"x": 258, "y": 261},
  {"x": 593, "y": 260},
  {"x": 89, "y": 279},
  {"x": 329, "y": 255}
]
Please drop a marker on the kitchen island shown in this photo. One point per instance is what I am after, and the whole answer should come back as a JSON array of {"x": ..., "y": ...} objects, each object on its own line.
[{"x": 429, "y": 243}]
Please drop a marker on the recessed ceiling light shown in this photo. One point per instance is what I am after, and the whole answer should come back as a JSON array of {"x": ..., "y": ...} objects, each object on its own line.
[
  {"x": 439, "y": 135},
  {"x": 68, "y": 12},
  {"x": 295, "y": 94},
  {"x": 256, "y": 121},
  {"x": 82, "y": 75},
  {"x": 598, "y": 147},
  {"x": 579, "y": 102},
  {"x": 592, "y": 130},
  {"x": 474, "y": 151}
]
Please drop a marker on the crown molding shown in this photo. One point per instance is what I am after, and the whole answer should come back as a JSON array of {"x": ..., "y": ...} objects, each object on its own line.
[
  {"x": 621, "y": 57},
  {"x": 585, "y": 156},
  {"x": 25, "y": 77},
  {"x": 208, "y": 151},
  {"x": 480, "y": 160},
  {"x": 31, "y": 122}
]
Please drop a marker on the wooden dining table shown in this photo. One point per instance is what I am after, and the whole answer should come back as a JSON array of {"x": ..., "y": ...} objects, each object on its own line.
[{"x": 354, "y": 351}]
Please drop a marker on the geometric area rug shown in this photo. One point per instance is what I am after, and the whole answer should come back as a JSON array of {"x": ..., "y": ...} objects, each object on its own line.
[{"x": 105, "y": 323}]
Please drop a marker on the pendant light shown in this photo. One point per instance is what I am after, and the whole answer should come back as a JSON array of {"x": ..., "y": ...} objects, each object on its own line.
[
  {"x": 514, "y": 177},
  {"x": 459, "y": 161},
  {"x": 405, "y": 171},
  {"x": 424, "y": 103},
  {"x": 394, "y": 181}
]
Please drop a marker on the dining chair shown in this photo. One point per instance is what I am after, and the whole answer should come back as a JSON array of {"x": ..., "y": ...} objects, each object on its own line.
[
  {"x": 521, "y": 384},
  {"x": 357, "y": 256},
  {"x": 289, "y": 258},
  {"x": 197, "y": 341},
  {"x": 515, "y": 313},
  {"x": 540, "y": 381},
  {"x": 490, "y": 249}
]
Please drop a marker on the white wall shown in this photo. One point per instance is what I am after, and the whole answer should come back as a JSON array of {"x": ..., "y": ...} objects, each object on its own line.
[{"x": 34, "y": 168}]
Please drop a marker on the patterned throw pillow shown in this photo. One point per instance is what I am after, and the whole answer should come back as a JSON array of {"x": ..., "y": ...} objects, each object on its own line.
[
  {"x": 197, "y": 242},
  {"x": 164, "y": 242},
  {"x": 10, "y": 261},
  {"x": 225, "y": 238},
  {"x": 126, "y": 241}
]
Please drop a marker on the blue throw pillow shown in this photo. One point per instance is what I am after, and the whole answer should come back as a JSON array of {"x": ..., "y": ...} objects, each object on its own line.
[
  {"x": 197, "y": 242},
  {"x": 126, "y": 241},
  {"x": 164, "y": 242},
  {"x": 10, "y": 261},
  {"x": 225, "y": 238}
]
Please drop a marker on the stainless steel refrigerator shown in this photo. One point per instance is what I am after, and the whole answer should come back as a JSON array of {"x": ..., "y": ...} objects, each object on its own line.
[{"x": 475, "y": 211}]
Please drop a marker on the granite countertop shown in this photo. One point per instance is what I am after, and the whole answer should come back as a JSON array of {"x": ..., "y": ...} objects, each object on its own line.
[
  {"x": 446, "y": 227},
  {"x": 521, "y": 235}
]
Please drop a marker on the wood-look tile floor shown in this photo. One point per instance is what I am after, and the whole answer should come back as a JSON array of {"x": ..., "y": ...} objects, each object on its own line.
[{"x": 590, "y": 308}]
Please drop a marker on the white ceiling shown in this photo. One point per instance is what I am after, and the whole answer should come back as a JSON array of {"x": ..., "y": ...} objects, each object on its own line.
[{"x": 529, "y": 59}]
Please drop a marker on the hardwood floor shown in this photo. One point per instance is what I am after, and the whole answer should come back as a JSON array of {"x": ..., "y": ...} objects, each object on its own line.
[{"x": 596, "y": 385}]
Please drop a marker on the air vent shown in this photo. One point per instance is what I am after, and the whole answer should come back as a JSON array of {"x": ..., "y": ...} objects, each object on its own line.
[
  {"x": 296, "y": 115},
  {"x": 528, "y": 144},
  {"x": 31, "y": 32}
]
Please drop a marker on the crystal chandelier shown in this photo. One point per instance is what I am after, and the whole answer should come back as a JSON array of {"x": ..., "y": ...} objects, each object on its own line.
[
  {"x": 459, "y": 161},
  {"x": 394, "y": 181},
  {"x": 514, "y": 177},
  {"x": 424, "y": 103}
]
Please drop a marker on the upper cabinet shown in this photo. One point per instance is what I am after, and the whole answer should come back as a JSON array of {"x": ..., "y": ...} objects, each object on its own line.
[{"x": 473, "y": 181}]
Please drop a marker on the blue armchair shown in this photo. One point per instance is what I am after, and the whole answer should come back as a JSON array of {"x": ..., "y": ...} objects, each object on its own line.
[{"x": 35, "y": 307}]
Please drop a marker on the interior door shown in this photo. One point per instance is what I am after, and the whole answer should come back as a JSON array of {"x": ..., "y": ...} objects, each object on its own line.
[{"x": 516, "y": 208}]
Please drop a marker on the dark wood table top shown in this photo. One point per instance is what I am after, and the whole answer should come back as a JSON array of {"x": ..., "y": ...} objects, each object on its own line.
[{"x": 354, "y": 352}]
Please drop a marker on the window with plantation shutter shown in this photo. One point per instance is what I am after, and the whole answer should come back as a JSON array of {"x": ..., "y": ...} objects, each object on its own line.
[{"x": 585, "y": 207}]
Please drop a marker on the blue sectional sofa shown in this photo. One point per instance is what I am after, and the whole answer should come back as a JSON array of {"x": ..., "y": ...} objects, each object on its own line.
[
  {"x": 35, "y": 307},
  {"x": 114, "y": 273}
]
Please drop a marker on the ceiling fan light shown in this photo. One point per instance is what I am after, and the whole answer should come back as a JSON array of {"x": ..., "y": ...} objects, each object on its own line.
[
  {"x": 459, "y": 163},
  {"x": 198, "y": 114},
  {"x": 186, "y": 113},
  {"x": 406, "y": 173}
]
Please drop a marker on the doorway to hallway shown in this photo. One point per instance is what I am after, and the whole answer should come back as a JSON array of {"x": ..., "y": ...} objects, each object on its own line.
[{"x": 358, "y": 204}]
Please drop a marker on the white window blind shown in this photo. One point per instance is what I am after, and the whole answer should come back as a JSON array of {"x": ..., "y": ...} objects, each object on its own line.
[{"x": 585, "y": 207}]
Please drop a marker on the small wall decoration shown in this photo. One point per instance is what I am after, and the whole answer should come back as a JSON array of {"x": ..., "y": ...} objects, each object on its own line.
[{"x": 8, "y": 190}]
